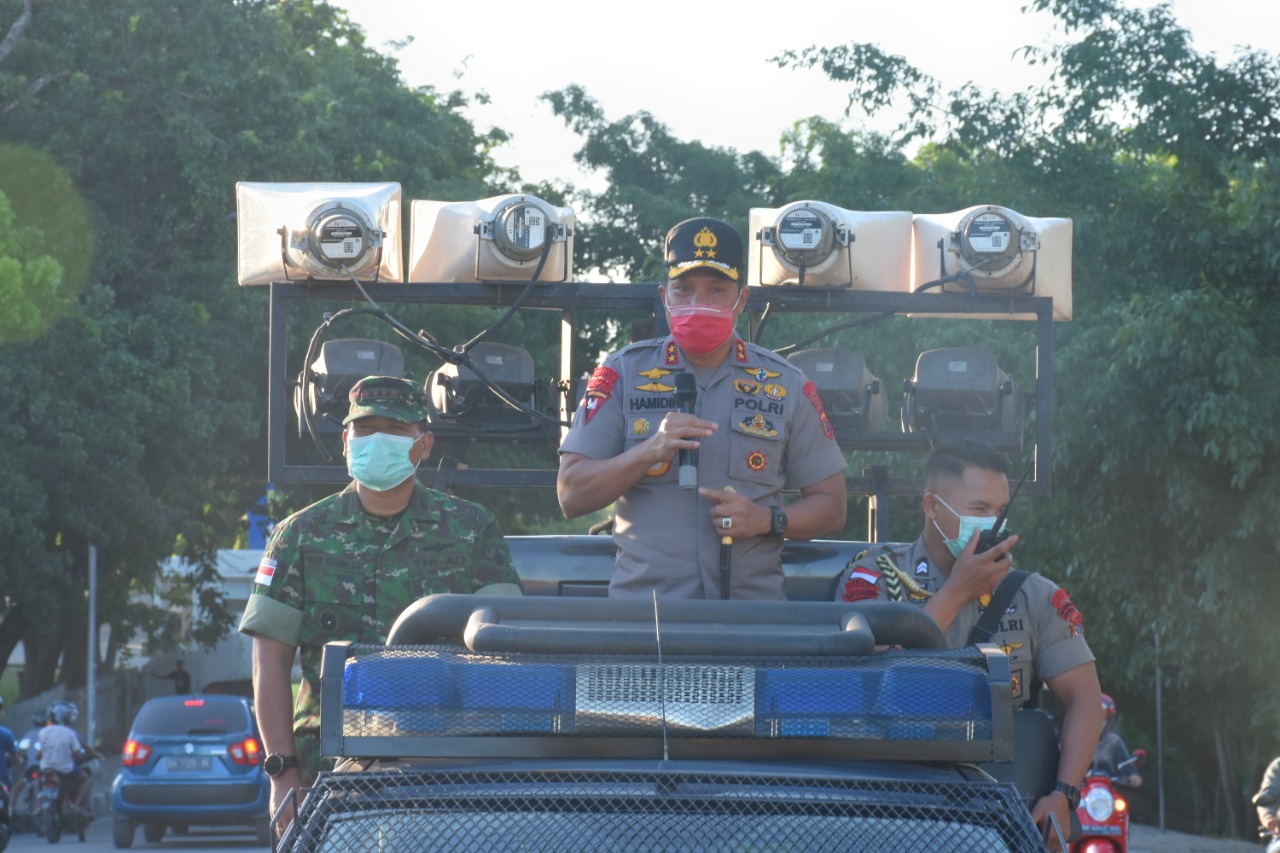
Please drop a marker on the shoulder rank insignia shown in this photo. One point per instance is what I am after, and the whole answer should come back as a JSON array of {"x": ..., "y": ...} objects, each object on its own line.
[
  {"x": 740, "y": 351},
  {"x": 673, "y": 353}
]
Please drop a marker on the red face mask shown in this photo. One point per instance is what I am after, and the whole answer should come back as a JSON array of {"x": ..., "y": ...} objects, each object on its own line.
[{"x": 700, "y": 329}]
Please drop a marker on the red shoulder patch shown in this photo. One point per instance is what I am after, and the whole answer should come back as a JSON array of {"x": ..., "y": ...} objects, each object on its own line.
[
  {"x": 861, "y": 584},
  {"x": 811, "y": 392},
  {"x": 599, "y": 389},
  {"x": 1073, "y": 617}
]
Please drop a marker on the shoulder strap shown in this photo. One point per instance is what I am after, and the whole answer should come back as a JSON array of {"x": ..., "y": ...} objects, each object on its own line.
[{"x": 987, "y": 625}]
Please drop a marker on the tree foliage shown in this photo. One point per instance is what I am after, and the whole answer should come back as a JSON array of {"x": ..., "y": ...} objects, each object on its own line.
[
  {"x": 130, "y": 423},
  {"x": 1166, "y": 405}
]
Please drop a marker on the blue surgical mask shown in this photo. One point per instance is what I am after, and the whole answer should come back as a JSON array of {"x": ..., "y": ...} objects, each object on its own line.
[
  {"x": 969, "y": 524},
  {"x": 380, "y": 461}
]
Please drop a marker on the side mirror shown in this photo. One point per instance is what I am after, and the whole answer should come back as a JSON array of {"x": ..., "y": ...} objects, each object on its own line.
[{"x": 1139, "y": 757}]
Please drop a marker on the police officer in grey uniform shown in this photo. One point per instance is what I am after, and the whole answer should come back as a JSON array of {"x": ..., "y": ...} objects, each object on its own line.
[
  {"x": 757, "y": 424},
  {"x": 966, "y": 488}
]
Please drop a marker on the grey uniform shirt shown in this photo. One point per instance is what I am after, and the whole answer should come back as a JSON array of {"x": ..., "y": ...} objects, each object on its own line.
[
  {"x": 1041, "y": 631},
  {"x": 773, "y": 434}
]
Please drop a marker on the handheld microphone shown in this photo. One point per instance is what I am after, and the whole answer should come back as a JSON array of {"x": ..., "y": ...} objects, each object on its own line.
[{"x": 686, "y": 394}]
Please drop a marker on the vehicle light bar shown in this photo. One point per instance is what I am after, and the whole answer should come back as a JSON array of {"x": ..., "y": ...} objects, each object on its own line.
[{"x": 448, "y": 701}]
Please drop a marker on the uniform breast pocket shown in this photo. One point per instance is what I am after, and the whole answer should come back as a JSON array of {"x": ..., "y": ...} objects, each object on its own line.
[
  {"x": 333, "y": 608},
  {"x": 756, "y": 458}
]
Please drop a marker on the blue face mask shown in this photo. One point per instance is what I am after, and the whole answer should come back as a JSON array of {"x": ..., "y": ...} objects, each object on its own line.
[
  {"x": 969, "y": 524},
  {"x": 380, "y": 461}
]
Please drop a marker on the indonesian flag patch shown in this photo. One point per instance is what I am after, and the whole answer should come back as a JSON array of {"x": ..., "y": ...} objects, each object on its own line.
[
  {"x": 861, "y": 584},
  {"x": 266, "y": 571}
]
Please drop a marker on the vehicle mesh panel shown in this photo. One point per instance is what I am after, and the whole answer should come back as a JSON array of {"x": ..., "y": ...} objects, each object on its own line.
[
  {"x": 565, "y": 811},
  {"x": 410, "y": 691}
]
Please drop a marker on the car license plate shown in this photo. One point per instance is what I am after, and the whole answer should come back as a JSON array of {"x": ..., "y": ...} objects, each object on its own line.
[{"x": 189, "y": 763}]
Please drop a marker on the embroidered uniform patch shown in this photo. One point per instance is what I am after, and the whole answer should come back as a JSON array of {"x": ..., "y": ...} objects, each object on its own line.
[
  {"x": 658, "y": 469},
  {"x": 758, "y": 425},
  {"x": 641, "y": 426},
  {"x": 746, "y": 386},
  {"x": 654, "y": 373},
  {"x": 774, "y": 391},
  {"x": 599, "y": 389},
  {"x": 761, "y": 374},
  {"x": 811, "y": 392},
  {"x": 861, "y": 584},
  {"x": 656, "y": 387},
  {"x": 266, "y": 571},
  {"x": 1073, "y": 617},
  {"x": 756, "y": 460}
]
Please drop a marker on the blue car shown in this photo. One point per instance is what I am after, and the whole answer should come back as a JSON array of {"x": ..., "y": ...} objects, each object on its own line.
[{"x": 191, "y": 761}]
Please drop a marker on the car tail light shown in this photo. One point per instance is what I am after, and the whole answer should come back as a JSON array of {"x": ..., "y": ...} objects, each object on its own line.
[
  {"x": 135, "y": 754},
  {"x": 247, "y": 751}
]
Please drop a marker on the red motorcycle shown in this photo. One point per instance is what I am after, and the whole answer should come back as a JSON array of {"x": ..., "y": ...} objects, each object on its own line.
[{"x": 1103, "y": 811}]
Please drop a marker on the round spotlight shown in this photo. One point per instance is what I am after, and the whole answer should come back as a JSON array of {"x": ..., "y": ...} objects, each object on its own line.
[
  {"x": 338, "y": 235},
  {"x": 990, "y": 240},
  {"x": 805, "y": 236},
  {"x": 520, "y": 230}
]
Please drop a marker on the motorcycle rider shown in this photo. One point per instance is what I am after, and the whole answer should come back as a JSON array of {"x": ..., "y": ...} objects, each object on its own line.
[
  {"x": 1112, "y": 752},
  {"x": 61, "y": 749}
]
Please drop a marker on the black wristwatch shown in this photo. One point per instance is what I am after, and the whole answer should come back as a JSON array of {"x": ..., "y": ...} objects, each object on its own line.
[
  {"x": 778, "y": 522},
  {"x": 1071, "y": 791},
  {"x": 276, "y": 764}
]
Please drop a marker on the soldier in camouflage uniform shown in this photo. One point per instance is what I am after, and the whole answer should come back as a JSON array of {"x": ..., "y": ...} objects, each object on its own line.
[
  {"x": 966, "y": 488},
  {"x": 345, "y": 567}
]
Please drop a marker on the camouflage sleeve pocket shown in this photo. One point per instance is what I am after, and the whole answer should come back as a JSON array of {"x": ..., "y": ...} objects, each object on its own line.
[{"x": 324, "y": 621}]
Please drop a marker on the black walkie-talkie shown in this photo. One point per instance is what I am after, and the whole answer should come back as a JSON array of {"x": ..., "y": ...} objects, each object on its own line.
[{"x": 988, "y": 539}]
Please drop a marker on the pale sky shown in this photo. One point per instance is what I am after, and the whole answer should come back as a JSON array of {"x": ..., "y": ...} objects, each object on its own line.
[{"x": 703, "y": 68}]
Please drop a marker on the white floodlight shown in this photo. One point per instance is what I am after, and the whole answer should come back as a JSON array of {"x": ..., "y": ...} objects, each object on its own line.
[
  {"x": 318, "y": 232},
  {"x": 816, "y": 243},
  {"x": 998, "y": 250},
  {"x": 494, "y": 239},
  {"x": 341, "y": 363},
  {"x": 960, "y": 389},
  {"x": 851, "y": 396}
]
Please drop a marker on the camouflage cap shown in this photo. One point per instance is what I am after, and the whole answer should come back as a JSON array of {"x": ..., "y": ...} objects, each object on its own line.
[{"x": 388, "y": 397}]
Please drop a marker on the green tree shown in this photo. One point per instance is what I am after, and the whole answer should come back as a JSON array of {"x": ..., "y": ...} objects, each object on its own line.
[
  {"x": 1165, "y": 406},
  {"x": 130, "y": 423}
]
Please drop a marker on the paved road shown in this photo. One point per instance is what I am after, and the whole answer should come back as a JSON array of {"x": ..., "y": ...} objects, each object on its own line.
[
  {"x": 1148, "y": 839},
  {"x": 99, "y": 841}
]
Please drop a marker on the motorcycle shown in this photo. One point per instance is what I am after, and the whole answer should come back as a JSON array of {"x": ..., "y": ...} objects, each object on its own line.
[
  {"x": 1103, "y": 812},
  {"x": 57, "y": 812},
  {"x": 26, "y": 808}
]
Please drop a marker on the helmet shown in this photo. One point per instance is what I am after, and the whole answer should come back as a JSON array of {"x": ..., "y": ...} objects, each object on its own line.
[
  {"x": 1108, "y": 707},
  {"x": 64, "y": 713}
]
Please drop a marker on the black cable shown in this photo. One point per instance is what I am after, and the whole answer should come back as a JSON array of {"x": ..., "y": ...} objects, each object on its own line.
[{"x": 519, "y": 300}]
